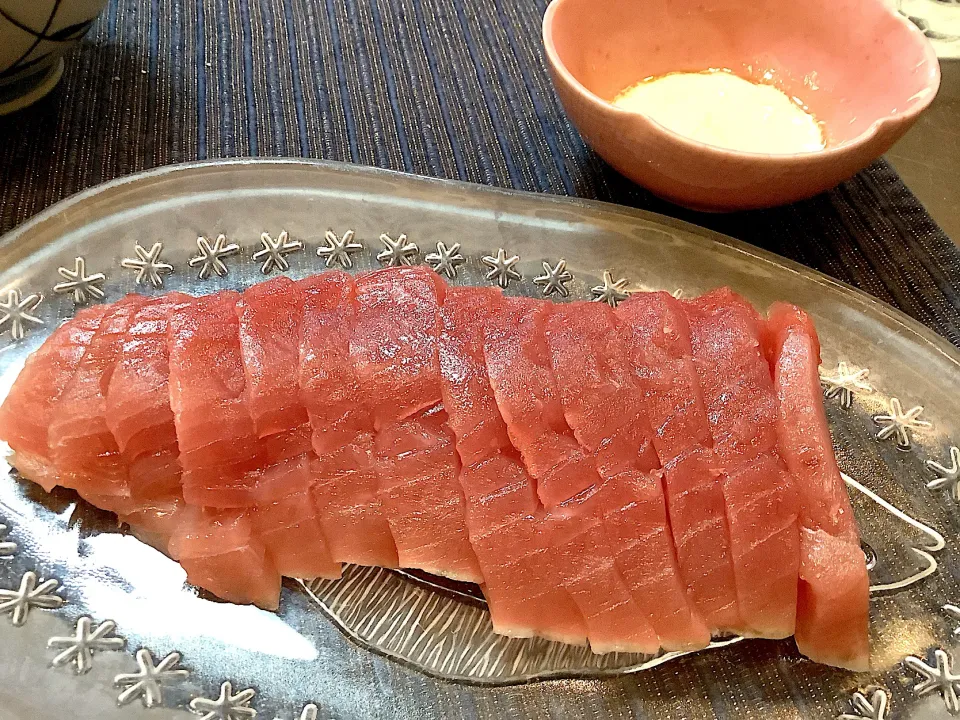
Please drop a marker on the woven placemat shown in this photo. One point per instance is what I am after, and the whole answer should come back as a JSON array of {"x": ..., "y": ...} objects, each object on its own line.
[{"x": 448, "y": 88}]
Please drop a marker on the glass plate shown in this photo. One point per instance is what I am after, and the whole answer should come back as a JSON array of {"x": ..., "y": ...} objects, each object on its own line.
[{"x": 380, "y": 644}]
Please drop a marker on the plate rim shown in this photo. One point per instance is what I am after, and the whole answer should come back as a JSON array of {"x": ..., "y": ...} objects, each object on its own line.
[{"x": 694, "y": 232}]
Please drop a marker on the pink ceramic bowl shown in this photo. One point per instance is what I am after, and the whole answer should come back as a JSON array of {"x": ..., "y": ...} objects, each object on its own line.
[{"x": 862, "y": 69}]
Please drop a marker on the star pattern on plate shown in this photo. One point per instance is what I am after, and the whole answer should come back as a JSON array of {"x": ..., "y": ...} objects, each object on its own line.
[
  {"x": 899, "y": 424},
  {"x": 210, "y": 257},
  {"x": 554, "y": 279},
  {"x": 309, "y": 712},
  {"x": 147, "y": 263},
  {"x": 612, "y": 292},
  {"x": 274, "y": 251},
  {"x": 863, "y": 709},
  {"x": 83, "y": 287},
  {"x": 502, "y": 269},
  {"x": 337, "y": 250},
  {"x": 948, "y": 477},
  {"x": 78, "y": 649},
  {"x": 32, "y": 593},
  {"x": 936, "y": 678},
  {"x": 844, "y": 382},
  {"x": 953, "y": 612},
  {"x": 445, "y": 260},
  {"x": 16, "y": 313},
  {"x": 7, "y": 547},
  {"x": 227, "y": 706},
  {"x": 147, "y": 683},
  {"x": 397, "y": 252}
]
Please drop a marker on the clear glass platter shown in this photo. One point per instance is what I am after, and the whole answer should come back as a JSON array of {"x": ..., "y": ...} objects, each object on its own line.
[{"x": 381, "y": 644}]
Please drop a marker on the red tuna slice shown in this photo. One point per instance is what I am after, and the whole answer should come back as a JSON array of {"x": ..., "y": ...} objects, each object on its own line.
[
  {"x": 290, "y": 528},
  {"x": 30, "y": 406},
  {"x": 593, "y": 378},
  {"x": 219, "y": 452},
  {"x": 156, "y": 522},
  {"x": 394, "y": 344},
  {"x": 138, "y": 402},
  {"x": 656, "y": 338},
  {"x": 394, "y": 350},
  {"x": 270, "y": 315},
  {"x": 761, "y": 502},
  {"x": 345, "y": 482},
  {"x": 833, "y": 611},
  {"x": 523, "y": 577},
  {"x": 589, "y": 367},
  {"x": 84, "y": 450},
  {"x": 504, "y": 517},
  {"x": 417, "y": 467},
  {"x": 221, "y": 554},
  {"x": 518, "y": 365}
]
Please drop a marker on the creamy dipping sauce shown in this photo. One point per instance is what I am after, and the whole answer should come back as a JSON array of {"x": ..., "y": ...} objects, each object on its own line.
[{"x": 719, "y": 108}]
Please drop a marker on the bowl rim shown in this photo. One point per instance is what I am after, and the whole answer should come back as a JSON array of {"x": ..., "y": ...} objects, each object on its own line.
[{"x": 907, "y": 116}]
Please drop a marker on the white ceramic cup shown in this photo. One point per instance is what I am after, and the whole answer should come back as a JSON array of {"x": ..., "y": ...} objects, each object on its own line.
[{"x": 34, "y": 36}]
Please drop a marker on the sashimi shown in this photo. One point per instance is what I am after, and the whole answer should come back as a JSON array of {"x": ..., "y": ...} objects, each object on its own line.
[
  {"x": 221, "y": 553},
  {"x": 83, "y": 448},
  {"x": 656, "y": 338},
  {"x": 345, "y": 481},
  {"x": 519, "y": 368},
  {"x": 636, "y": 479},
  {"x": 603, "y": 405},
  {"x": 761, "y": 502},
  {"x": 290, "y": 528},
  {"x": 504, "y": 518},
  {"x": 270, "y": 315},
  {"x": 219, "y": 452},
  {"x": 394, "y": 350},
  {"x": 28, "y": 409},
  {"x": 138, "y": 402},
  {"x": 833, "y": 598},
  {"x": 286, "y": 517}
]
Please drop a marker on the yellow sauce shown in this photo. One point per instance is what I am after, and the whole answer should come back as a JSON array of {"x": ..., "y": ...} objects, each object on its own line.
[{"x": 719, "y": 108}]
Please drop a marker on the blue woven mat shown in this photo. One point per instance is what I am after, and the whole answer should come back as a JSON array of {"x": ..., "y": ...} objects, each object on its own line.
[{"x": 447, "y": 88}]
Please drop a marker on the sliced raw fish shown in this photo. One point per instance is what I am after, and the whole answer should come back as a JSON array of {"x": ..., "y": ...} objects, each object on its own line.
[
  {"x": 656, "y": 337},
  {"x": 518, "y": 365},
  {"x": 286, "y": 518},
  {"x": 157, "y": 521},
  {"x": 504, "y": 517},
  {"x": 221, "y": 554},
  {"x": 618, "y": 477},
  {"x": 394, "y": 350},
  {"x": 84, "y": 449},
  {"x": 604, "y": 406},
  {"x": 29, "y": 407},
  {"x": 291, "y": 530},
  {"x": 833, "y": 612},
  {"x": 270, "y": 315},
  {"x": 345, "y": 481},
  {"x": 219, "y": 452},
  {"x": 138, "y": 402},
  {"x": 761, "y": 502}
]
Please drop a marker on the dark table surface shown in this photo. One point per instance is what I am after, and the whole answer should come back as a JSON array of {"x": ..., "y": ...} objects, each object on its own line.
[{"x": 928, "y": 156}]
